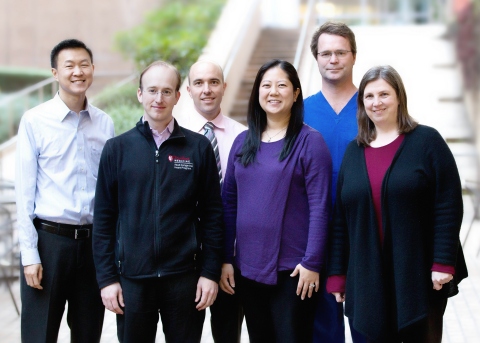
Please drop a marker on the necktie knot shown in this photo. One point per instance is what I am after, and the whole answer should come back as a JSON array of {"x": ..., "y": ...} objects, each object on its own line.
[{"x": 208, "y": 126}]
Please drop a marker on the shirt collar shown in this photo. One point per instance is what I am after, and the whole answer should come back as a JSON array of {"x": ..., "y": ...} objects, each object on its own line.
[
  {"x": 169, "y": 128},
  {"x": 62, "y": 110},
  {"x": 198, "y": 121}
]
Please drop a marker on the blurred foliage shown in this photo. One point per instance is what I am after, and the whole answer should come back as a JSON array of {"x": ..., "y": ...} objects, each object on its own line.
[
  {"x": 15, "y": 79},
  {"x": 122, "y": 105},
  {"x": 176, "y": 33},
  {"x": 12, "y": 111}
]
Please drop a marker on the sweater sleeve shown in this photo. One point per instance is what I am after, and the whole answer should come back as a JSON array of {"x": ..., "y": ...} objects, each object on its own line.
[
  {"x": 317, "y": 165},
  {"x": 443, "y": 268},
  {"x": 229, "y": 198},
  {"x": 338, "y": 239},
  {"x": 105, "y": 219},
  {"x": 336, "y": 283},
  {"x": 448, "y": 203}
]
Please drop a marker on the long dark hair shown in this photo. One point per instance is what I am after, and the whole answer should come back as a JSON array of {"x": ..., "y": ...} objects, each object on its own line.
[
  {"x": 257, "y": 118},
  {"x": 405, "y": 123}
]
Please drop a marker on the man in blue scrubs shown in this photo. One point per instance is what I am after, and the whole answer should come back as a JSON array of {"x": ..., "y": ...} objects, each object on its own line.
[{"x": 332, "y": 111}]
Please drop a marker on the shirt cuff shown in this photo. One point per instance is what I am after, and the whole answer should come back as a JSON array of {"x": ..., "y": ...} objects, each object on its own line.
[
  {"x": 336, "y": 283},
  {"x": 30, "y": 256},
  {"x": 443, "y": 268}
]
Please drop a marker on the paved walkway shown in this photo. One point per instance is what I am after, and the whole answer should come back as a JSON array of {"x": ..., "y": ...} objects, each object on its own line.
[{"x": 427, "y": 66}]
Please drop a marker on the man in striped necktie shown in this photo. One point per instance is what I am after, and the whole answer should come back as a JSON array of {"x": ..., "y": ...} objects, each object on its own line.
[{"x": 206, "y": 87}]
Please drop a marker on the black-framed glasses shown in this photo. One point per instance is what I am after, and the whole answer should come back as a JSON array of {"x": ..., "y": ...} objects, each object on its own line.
[{"x": 337, "y": 53}]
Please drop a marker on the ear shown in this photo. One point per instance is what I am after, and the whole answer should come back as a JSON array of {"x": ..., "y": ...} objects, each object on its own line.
[
  {"x": 139, "y": 95},
  {"x": 295, "y": 94},
  {"x": 55, "y": 74},
  {"x": 177, "y": 96},
  {"x": 189, "y": 91}
]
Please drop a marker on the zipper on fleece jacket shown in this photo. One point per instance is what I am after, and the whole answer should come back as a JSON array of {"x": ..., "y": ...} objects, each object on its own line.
[{"x": 156, "y": 236}]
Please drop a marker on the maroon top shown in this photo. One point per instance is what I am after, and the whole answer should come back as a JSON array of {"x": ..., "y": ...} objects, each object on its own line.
[{"x": 378, "y": 160}]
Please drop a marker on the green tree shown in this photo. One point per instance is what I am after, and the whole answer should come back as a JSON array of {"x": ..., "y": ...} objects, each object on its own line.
[{"x": 176, "y": 33}]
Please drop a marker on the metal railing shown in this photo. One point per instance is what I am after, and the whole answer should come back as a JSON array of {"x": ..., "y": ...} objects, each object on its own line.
[
  {"x": 307, "y": 21},
  {"x": 12, "y": 106},
  {"x": 384, "y": 11}
]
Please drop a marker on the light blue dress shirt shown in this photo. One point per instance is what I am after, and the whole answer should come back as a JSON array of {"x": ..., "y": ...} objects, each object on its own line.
[{"x": 57, "y": 159}]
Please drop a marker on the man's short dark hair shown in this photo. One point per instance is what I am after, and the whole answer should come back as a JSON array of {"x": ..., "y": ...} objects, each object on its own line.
[
  {"x": 67, "y": 44},
  {"x": 336, "y": 29}
]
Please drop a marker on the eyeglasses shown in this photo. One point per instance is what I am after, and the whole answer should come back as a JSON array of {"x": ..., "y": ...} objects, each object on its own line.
[
  {"x": 338, "y": 53},
  {"x": 166, "y": 93}
]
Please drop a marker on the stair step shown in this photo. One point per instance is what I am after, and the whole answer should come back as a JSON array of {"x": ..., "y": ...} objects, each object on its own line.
[{"x": 272, "y": 43}]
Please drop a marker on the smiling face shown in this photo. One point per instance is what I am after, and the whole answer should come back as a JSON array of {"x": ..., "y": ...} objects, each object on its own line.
[
  {"x": 158, "y": 95},
  {"x": 276, "y": 93},
  {"x": 74, "y": 72},
  {"x": 381, "y": 103},
  {"x": 206, "y": 87},
  {"x": 335, "y": 69}
]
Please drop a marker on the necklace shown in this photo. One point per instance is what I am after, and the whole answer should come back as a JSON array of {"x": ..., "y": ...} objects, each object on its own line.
[{"x": 270, "y": 137}]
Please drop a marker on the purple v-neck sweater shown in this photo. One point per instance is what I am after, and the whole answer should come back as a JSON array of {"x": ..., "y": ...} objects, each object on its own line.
[{"x": 276, "y": 213}]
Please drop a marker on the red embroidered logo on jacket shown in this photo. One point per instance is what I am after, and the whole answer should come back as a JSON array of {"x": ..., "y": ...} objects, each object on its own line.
[{"x": 181, "y": 162}]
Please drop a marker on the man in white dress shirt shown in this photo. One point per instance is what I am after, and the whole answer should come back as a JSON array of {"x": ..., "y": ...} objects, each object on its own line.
[
  {"x": 206, "y": 86},
  {"x": 58, "y": 152}
]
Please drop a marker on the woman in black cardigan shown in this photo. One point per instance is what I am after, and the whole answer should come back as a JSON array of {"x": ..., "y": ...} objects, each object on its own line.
[{"x": 395, "y": 253}]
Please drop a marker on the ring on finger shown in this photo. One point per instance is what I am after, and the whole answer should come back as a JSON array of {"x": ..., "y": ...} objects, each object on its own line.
[{"x": 312, "y": 285}]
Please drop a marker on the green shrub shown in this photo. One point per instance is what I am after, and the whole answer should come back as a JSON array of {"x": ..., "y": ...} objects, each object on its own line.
[
  {"x": 176, "y": 33},
  {"x": 11, "y": 113},
  {"x": 122, "y": 105}
]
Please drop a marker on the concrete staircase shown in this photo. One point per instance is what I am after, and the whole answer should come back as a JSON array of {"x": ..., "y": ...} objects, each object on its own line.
[{"x": 272, "y": 43}]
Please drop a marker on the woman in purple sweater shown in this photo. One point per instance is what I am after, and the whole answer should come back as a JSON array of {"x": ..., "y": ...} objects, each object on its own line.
[{"x": 276, "y": 203}]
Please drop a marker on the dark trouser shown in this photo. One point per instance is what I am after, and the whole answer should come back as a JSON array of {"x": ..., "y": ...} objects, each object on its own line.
[
  {"x": 276, "y": 313},
  {"x": 427, "y": 330},
  {"x": 68, "y": 275},
  {"x": 226, "y": 318},
  {"x": 329, "y": 324},
  {"x": 173, "y": 297}
]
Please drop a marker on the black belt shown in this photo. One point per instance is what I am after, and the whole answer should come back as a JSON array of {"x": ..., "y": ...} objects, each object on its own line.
[{"x": 67, "y": 230}]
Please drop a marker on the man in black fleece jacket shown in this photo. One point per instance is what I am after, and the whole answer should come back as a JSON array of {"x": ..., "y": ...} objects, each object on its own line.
[{"x": 158, "y": 232}]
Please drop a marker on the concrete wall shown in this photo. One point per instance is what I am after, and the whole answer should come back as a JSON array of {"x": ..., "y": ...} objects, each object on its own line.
[{"x": 30, "y": 28}]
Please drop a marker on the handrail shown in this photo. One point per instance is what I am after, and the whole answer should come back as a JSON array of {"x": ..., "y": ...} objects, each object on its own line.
[
  {"x": 26, "y": 90},
  {"x": 119, "y": 84},
  {"x": 303, "y": 34},
  {"x": 240, "y": 38}
]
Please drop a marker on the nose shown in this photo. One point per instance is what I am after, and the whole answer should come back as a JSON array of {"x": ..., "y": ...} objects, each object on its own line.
[
  {"x": 274, "y": 90},
  {"x": 333, "y": 58},
  {"x": 377, "y": 101},
  {"x": 206, "y": 87},
  {"x": 77, "y": 70}
]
